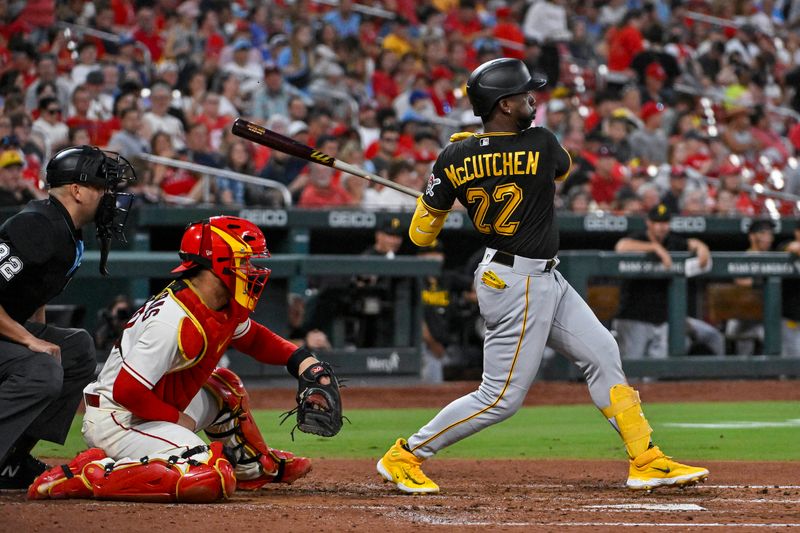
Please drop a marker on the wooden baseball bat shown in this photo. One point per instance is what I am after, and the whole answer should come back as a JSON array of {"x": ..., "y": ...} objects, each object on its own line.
[{"x": 266, "y": 137}]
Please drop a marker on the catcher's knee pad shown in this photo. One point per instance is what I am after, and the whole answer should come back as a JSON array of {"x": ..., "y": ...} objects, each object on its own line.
[
  {"x": 66, "y": 481},
  {"x": 168, "y": 479},
  {"x": 255, "y": 462},
  {"x": 625, "y": 414},
  {"x": 235, "y": 427}
]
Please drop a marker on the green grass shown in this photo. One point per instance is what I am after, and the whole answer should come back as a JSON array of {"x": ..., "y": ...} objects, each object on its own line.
[{"x": 576, "y": 432}]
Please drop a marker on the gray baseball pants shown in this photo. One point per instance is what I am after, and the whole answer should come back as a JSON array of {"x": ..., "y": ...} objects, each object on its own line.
[{"x": 535, "y": 307}]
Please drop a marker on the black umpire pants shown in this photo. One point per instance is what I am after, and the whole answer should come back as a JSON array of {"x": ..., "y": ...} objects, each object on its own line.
[{"x": 39, "y": 396}]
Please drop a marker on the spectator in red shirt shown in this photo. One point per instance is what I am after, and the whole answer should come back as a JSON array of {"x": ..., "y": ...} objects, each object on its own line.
[
  {"x": 442, "y": 90},
  {"x": 383, "y": 84},
  {"x": 794, "y": 136},
  {"x": 654, "y": 90},
  {"x": 772, "y": 144},
  {"x": 509, "y": 30},
  {"x": 464, "y": 21},
  {"x": 123, "y": 12},
  {"x": 624, "y": 42},
  {"x": 23, "y": 55},
  {"x": 147, "y": 33},
  {"x": 323, "y": 188},
  {"x": 177, "y": 186},
  {"x": 214, "y": 122},
  {"x": 320, "y": 192},
  {"x": 607, "y": 178},
  {"x": 730, "y": 181},
  {"x": 81, "y": 102}
]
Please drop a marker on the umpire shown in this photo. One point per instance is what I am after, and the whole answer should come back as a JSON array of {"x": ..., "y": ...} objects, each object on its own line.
[{"x": 43, "y": 369}]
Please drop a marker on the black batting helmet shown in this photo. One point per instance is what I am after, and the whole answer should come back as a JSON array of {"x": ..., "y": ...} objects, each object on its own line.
[{"x": 497, "y": 79}]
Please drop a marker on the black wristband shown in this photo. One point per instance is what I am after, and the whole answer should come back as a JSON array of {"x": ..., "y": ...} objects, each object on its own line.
[{"x": 297, "y": 357}]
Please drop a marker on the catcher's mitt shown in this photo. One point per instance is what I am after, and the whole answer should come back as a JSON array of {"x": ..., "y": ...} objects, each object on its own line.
[{"x": 319, "y": 407}]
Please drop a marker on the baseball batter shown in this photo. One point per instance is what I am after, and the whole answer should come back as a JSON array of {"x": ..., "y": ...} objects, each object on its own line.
[
  {"x": 505, "y": 178},
  {"x": 161, "y": 385}
]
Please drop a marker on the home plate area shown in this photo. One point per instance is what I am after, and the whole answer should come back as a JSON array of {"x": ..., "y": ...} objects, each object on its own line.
[
  {"x": 487, "y": 495},
  {"x": 604, "y": 507}
]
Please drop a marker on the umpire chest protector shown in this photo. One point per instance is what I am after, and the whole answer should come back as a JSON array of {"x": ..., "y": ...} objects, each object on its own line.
[{"x": 40, "y": 250}]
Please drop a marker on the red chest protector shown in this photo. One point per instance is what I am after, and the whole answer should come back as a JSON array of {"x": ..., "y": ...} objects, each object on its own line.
[{"x": 203, "y": 337}]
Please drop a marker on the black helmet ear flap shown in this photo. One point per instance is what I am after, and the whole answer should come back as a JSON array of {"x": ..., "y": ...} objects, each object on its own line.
[
  {"x": 90, "y": 165},
  {"x": 77, "y": 164}
]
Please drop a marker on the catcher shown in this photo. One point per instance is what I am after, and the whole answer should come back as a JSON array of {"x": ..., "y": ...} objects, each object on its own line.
[{"x": 161, "y": 385}]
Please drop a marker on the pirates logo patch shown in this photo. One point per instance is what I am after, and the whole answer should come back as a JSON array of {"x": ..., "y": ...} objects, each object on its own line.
[{"x": 432, "y": 182}]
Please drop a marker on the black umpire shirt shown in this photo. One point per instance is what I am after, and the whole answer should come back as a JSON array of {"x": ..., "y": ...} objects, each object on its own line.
[
  {"x": 507, "y": 183},
  {"x": 40, "y": 250},
  {"x": 645, "y": 299}
]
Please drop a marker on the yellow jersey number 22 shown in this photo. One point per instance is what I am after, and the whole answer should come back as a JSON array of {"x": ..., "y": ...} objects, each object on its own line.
[{"x": 510, "y": 194}]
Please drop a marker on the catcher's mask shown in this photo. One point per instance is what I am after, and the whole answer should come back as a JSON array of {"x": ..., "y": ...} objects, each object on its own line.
[
  {"x": 225, "y": 245},
  {"x": 88, "y": 165},
  {"x": 498, "y": 79}
]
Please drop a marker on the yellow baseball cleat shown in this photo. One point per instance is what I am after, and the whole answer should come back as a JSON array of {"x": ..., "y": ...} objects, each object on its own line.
[
  {"x": 653, "y": 469},
  {"x": 402, "y": 468}
]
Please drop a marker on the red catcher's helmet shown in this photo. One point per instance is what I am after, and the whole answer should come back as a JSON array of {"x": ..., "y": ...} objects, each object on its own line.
[{"x": 225, "y": 245}]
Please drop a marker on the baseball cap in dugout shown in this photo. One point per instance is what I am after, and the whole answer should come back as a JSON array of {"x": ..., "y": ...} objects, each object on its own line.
[
  {"x": 659, "y": 213},
  {"x": 392, "y": 226},
  {"x": 761, "y": 224}
]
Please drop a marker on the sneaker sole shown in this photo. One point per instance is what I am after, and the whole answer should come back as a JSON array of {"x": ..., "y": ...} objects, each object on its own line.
[
  {"x": 384, "y": 472},
  {"x": 679, "y": 481}
]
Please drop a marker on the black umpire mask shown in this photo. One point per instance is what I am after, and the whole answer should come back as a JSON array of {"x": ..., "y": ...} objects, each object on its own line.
[
  {"x": 91, "y": 166},
  {"x": 112, "y": 213}
]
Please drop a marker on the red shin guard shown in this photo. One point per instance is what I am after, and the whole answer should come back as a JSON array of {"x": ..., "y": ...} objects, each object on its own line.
[{"x": 235, "y": 427}]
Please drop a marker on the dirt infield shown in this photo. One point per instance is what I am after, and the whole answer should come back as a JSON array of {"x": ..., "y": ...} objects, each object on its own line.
[{"x": 347, "y": 495}]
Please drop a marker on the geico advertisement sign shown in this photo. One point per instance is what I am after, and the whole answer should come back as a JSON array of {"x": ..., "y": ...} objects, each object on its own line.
[
  {"x": 688, "y": 224},
  {"x": 265, "y": 217},
  {"x": 351, "y": 219},
  {"x": 605, "y": 223}
]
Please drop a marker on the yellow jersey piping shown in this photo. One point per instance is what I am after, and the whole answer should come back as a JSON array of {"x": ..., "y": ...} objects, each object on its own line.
[
  {"x": 505, "y": 386},
  {"x": 432, "y": 210},
  {"x": 565, "y": 174},
  {"x": 197, "y": 325}
]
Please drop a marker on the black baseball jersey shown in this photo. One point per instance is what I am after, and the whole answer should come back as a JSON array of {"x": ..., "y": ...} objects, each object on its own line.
[
  {"x": 507, "y": 183},
  {"x": 40, "y": 250}
]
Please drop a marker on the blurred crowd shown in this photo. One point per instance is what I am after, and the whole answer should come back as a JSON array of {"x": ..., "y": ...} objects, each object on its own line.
[{"x": 693, "y": 103}]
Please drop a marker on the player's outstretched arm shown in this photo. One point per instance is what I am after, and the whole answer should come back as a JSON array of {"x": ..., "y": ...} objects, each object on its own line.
[{"x": 263, "y": 344}]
